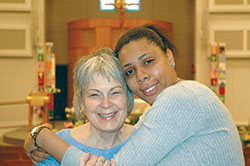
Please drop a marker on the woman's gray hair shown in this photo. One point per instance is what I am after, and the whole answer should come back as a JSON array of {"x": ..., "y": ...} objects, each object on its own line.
[{"x": 104, "y": 63}]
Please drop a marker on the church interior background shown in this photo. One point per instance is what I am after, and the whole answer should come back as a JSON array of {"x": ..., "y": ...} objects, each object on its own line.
[{"x": 40, "y": 41}]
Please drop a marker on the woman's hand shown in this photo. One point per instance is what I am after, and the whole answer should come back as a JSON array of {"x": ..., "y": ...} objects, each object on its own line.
[
  {"x": 95, "y": 161},
  {"x": 34, "y": 153},
  {"x": 29, "y": 146},
  {"x": 38, "y": 155}
]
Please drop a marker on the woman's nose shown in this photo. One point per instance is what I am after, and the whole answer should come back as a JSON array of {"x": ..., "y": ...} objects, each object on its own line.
[
  {"x": 141, "y": 76},
  {"x": 106, "y": 102}
]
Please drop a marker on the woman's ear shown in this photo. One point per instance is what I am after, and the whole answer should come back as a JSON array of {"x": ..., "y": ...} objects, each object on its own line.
[{"x": 170, "y": 57}]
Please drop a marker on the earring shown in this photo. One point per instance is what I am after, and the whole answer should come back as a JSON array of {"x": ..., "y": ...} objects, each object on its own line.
[
  {"x": 173, "y": 65},
  {"x": 83, "y": 116}
]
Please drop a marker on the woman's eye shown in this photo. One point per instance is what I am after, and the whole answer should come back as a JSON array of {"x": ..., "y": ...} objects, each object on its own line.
[
  {"x": 129, "y": 72},
  {"x": 148, "y": 61},
  {"x": 93, "y": 95},
  {"x": 115, "y": 92}
]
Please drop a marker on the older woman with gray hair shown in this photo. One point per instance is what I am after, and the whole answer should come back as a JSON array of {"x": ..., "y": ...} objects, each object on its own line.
[{"x": 101, "y": 93}]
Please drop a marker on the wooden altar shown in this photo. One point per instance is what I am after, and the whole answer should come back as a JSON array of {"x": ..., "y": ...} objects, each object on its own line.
[{"x": 88, "y": 34}]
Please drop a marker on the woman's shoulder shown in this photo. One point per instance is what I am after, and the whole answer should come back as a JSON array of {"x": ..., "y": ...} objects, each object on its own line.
[
  {"x": 68, "y": 134},
  {"x": 197, "y": 90},
  {"x": 184, "y": 94},
  {"x": 189, "y": 85},
  {"x": 184, "y": 90},
  {"x": 63, "y": 132},
  {"x": 187, "y": 95}
]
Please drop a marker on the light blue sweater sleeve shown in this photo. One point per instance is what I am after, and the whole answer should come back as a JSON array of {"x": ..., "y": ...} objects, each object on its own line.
[{"x": 72, "y": 156}]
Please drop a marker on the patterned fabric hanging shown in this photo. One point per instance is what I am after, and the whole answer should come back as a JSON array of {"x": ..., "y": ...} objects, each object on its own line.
[
  {"x": 214, "y": 68},
  {"x": 222, "y": 73},
  {"x": 41, "y": 68},
  {"x": 46, "y": 74},
  {"x": 218, "y": 69},
  {"x": 50, "y": 76}
]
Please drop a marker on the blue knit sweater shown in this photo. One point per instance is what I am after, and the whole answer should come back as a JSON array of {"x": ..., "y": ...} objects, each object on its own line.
[{"x": 186, "y": 125}]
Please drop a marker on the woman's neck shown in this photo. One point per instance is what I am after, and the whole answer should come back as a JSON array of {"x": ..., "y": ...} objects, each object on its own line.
[{"x": 89, "y": 135}]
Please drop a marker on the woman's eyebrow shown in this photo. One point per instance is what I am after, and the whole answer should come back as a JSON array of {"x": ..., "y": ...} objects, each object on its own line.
[
  {"x": 139, "y": 58},
  {"x": 142, "y": 56}
]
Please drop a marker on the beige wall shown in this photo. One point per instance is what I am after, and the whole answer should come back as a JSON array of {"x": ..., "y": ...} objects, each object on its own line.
[
  {"x": 60, "y": 12},
  {"x": 19, "y": 75},
  {"x": 235, "y": 19}
]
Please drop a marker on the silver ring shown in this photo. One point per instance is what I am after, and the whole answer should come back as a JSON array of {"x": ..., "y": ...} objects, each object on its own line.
[{"x": 100, "y": 161}]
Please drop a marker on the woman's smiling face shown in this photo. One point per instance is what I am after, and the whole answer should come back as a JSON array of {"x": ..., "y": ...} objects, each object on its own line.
[
  {"x": 148, "y": 69},
  {"x": 105, "y": 104}
]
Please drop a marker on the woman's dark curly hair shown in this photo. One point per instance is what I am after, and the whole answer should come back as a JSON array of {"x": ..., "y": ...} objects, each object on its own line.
[{"x": 150, "y": 32}]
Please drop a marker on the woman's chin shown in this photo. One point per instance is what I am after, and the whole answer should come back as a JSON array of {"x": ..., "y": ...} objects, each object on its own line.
[{"x": 109, "y": 128}]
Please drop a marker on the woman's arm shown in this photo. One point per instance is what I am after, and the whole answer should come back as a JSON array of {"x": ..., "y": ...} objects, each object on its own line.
[
  {"x": 49, "y": 141},
  {"x": 56, "y": 147}
]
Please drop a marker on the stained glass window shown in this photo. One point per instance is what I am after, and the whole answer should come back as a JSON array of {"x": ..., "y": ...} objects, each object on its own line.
[{"x": 133, "y": 5}]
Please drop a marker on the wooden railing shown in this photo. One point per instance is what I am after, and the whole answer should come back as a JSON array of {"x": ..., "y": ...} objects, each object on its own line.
[{"x": 12, "y": 102}]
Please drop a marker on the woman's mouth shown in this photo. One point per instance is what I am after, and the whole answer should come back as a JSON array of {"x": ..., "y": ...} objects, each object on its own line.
[
  {"x": 107, "y": 116},
  {"x": 150, "y": 91}
]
